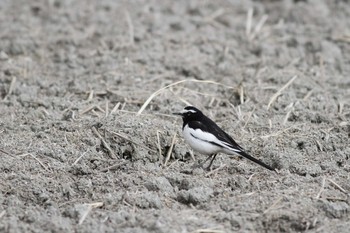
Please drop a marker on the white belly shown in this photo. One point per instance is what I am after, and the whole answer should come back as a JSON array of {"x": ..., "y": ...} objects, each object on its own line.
[{"x": 198, "y": 145}]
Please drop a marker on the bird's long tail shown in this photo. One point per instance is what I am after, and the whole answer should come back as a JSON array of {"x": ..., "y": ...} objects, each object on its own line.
[{"x": 244, "y": 154}]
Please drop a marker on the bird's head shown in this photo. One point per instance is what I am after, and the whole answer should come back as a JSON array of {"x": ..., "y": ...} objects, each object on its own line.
[{"x": 189, "y": 113}]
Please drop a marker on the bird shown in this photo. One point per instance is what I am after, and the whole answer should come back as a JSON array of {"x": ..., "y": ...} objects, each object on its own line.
[{"x": 206, "y": 137}]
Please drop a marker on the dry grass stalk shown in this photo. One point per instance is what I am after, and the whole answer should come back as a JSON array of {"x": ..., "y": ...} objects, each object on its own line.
[
  {"x": 251, "y": 177},
  {"x": 96, "y": 205},
  {"x": 286, "y": 117},
  {"x": 105, "y": 144},
  {"x": 131, "y": 29},
  {"x": 192, "y": 155},
  {"x": 106, "y": 109},
  {"x": 180, "y": 98},
  {"x": 215, "y": 170},
  {"x": 189, "y": 90},
  {"x": 88, "y": 210},
  {"x": 341, "y": 124},
  {"x": 154, "y": 94},
  {"x": 308, "y": 94},
  {"x": 78, "y": 159},
  {"x": 343, "y": 38},
  {"x": 128, "y": 139},
  {"x": 173, "y": 163},
  {"x": 279, "y": 92},
  {"x": 159, "y": 148},
  {"x": 273, "y": 206},
  {"x": 241, "y": 93},
  {"x": 114, "y": 166},
  {"x": 246, "y": 194},
  {"x": 208, "y": 231},
  {"x": 153, "y": 114},
  {"x": 34, "y": 157},
  {"x": 99, "y": 108},
  {"x": 250, "y": 116},
  {"x": 249, "y": 23},
  {"x": 11, "y": 88},
  {"x": 115, "y": 108},
  {"x": 170, "y": 150},
  {"x": 91, "y": 95},
  {"x": 319, "y": 145},
  {"x": 211, "y": 102},
  {"x": 88, "y": 109},
  {"x": 322, "y": 69},
  {"x": 2, "y": 214},
  {"x": 340, "y": 107},
  {"x": 259, "y": 26},
  {"x": 276, "y": 133},
  {"x": 95, "y": 113},
  {"x": 92, "y": 109},
  {"x": 338, "y": 186},
  {"x": 252, "y": 34},
  {"x": 214, "y": 15},
  {"x": 336, "y": 199},
  {"x": 322, "y": 188},
  {"x": 7, "y": 153},
  {"x": 237, "y": 111}
]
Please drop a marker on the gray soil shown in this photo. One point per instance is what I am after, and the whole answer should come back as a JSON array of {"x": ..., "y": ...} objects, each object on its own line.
[{"x": 76, "y": 157}]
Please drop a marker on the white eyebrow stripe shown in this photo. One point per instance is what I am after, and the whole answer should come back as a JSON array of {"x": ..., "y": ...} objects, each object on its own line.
[{"x": 190, "y": 110}]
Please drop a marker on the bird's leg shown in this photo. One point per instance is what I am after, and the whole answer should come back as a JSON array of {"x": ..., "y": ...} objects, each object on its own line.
[
  {"x": 211, "y": 161},
  {"x": 202, "y": 163}
]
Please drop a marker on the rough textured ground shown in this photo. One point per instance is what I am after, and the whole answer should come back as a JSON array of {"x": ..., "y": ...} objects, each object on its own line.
[{"x": 75, "y": 156}]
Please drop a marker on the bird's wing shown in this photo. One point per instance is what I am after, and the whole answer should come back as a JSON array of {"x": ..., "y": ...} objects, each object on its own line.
[{"x": 213, "y": 134}]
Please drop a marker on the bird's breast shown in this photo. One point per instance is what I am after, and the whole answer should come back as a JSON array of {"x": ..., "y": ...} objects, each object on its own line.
[{"x": 197, "y": 141}]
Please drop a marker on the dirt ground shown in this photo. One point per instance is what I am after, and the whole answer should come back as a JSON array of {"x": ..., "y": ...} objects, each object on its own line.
[{"x": 77, "y": 157}]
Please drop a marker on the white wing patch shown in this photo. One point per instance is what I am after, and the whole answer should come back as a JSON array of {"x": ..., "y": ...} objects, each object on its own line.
[{"x": 206, "y": 143}]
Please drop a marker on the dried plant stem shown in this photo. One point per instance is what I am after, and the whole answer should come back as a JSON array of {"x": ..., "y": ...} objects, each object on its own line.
[
  {"x": 131, "y": 28},
  {"x": 105, "y": 144},
  {"x": 34, "y": 157},
  {"x": 154, "y": 94},
  {"x": 170, "y": 150},
  {"x": 249, "y": 22},
  {"x": 12, "y": 87},
  {"x": 2, "y": 214},
  {"x": 114, "y": 166},
  {"x": 106, "y": 109},
  {"x": 159, "y": 148},
  {"x": 128, "y": 139},
  {"x": 91, "y": 95},
  {"x": 273, "y": 205},
  {"x": 250, "y": 116},
  {"x": 322, "y": 188},
  {"x": 115, "y": 108},
  {"x": 7, "y": 153},
  {"x": 78, "y": 159},
  {"x": 337, "y": 186},
  {"x": 89, "y": 208},
  {"x": 259, "y": 26},
  {"x": 279, "y": 92},
  {"x": 215, "y": 170},
  {"x": 276, "y": 133},
  {"x": 209, "y": 230}
]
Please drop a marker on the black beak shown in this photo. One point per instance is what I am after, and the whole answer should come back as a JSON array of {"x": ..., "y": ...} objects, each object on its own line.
[{"x": 177, "y": 113}]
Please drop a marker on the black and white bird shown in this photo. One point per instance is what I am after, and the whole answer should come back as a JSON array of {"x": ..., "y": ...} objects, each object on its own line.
[{"x": 206, "y": 137}]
